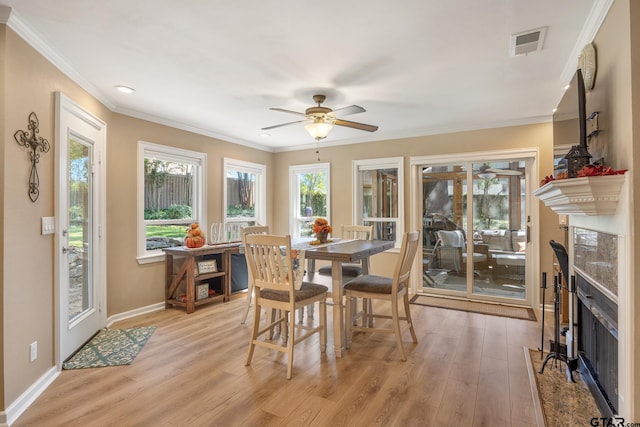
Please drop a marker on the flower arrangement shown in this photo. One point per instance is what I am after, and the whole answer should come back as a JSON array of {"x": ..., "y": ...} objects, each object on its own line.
[
  {"x": 587, "y": 170},
  {"x": 321, "y": 225}
]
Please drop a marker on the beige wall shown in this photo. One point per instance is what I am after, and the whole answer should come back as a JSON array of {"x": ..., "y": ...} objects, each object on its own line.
[
  {"x": 28, "y": 82},
  {"x": 616, "y": 97},
  {"x": 4, "y": 132},
  {"x": 131, "y": 286},
  {"x": 633, "y": 163},
  {"x": 28, "y": 276},
  {"x": 341, "y": 158}
]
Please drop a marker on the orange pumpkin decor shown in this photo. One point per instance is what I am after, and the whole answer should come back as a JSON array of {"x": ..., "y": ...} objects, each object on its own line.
[{"x": 195, "y": 236}]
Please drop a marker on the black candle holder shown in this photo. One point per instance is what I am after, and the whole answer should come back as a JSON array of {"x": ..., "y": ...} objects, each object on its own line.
[
  {"x": 577, "y": 158},
  {"x": 36, "y": 144}
]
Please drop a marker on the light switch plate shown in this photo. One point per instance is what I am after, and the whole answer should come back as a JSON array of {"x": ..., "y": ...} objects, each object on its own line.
[{"x": 48, "y": 225}]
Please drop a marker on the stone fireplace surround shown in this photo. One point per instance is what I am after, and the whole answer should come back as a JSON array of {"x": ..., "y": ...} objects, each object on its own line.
[{"x": 595, "y": 262}]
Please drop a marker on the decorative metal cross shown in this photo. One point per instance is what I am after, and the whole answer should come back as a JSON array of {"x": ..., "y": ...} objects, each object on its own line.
[{"x": 35, "y": 143}]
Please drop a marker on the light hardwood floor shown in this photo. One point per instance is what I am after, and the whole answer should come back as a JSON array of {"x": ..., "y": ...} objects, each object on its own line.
[{"x": 466, "y": 370}]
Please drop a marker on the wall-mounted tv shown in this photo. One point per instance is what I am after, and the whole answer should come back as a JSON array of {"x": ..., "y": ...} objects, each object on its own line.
[
  {"x": 570, "y": 125},
  {"x": 570, "y": 118}
]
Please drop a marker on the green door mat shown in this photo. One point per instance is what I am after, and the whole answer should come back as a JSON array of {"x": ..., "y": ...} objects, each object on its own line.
[{"x": 110, "y": 347}]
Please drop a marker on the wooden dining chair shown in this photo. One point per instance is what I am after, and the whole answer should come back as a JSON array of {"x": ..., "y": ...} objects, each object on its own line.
[
  {"x": 391, "y": 289},
  {"x": 278, "y": 287},
  {"x": 254, "y": 229},
  {"x": 349, "y": 232}
]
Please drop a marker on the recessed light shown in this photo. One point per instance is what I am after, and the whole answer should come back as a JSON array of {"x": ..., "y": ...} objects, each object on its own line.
[
  {"x": 265, "y": 135},
  {"x": 124, "y": 89},
  {"x": 554, "y": 110},
  {"x": 567, "y": 87}
]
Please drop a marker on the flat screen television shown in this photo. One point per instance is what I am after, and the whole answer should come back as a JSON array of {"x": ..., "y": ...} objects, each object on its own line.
[{"x": 570, "y": 118}]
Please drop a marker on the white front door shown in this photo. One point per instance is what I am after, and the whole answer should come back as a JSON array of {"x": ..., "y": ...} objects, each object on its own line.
[{"x": 80, "y": 235}]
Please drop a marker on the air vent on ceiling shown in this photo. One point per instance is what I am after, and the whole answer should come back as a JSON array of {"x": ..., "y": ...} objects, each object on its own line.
[{"x": 527, "y": 42}]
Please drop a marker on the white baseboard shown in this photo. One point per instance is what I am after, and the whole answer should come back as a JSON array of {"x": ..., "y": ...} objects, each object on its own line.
[
  {"x": 133, "y": 313},
  {"x": 30, "y": 395},
  {"x": 15, "y": 409}
]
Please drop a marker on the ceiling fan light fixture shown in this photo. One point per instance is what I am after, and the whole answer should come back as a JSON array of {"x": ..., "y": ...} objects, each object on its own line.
[
  {"x": 486, "y": 175},
  {"x": 319, "y": 129}
]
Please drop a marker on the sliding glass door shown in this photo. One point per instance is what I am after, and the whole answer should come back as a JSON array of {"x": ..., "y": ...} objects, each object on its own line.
[{"x": 475, "y": 229}]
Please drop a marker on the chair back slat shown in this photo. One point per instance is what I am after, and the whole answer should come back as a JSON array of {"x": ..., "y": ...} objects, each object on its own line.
[
  {"x": 408, "y": 251},
  {"x": 359, "y": 232},
  {"x": 267, "y": 257},
  {"x": 255, "y": 229}
]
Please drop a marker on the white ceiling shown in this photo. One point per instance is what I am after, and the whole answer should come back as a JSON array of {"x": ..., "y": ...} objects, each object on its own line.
[{"x": 215, "y": 67}]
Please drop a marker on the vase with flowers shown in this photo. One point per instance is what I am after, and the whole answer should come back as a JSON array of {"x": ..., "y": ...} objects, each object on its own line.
[{"x": 321, "y": 228}]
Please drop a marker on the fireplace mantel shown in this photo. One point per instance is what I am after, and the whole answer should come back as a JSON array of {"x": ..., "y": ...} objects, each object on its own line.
[{"x": 593, "y": 195}]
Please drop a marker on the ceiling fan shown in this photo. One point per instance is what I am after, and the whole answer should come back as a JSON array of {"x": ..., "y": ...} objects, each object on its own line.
[
  {"x": 320, "y": 120},
  {"x": 486, "y": 171}
]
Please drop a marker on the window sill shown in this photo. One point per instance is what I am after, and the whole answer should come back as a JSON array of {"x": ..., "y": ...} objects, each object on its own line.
[{"x": 151, "y": 258}]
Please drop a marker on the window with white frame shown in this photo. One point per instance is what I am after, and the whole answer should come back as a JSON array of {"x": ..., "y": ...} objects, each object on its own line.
[
  {"x": 171, "y": 192},
  {"x": 379, "y": 196},
  {"x": 309, "y": 197},
  {"x": 244, "y": 194}
]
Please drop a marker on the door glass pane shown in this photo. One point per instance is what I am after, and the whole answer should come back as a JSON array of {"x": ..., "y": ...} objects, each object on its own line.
[
  {"x": 444, "y": 193},
  {"x": 499, "y": 229},
  {"x": 80, "y": 225},
  {"x": 486, "y": 257}
]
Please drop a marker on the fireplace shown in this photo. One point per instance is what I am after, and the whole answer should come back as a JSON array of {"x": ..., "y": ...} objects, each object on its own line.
[
  {"x": 599, "y": 245},
  {"x": 597, "y": 344}
]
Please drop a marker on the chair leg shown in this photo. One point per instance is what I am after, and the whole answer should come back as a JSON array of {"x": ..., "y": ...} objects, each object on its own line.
[
  {"x": 289, "y": 318},
  {"x": 274, "y": 312},
  {"x": 291, "y": 325},
  {"x": 323, "y": 324},
  {"x": 310, "y": 310},
  {"x": 348, "y": 321},
  {"x": 254, "y": 334},
  {"x": 249, "y": 298},
  {"x": 353, "y": 317},
  {"x": 396, "y": 329},
  {"x": 407, "y": 314}
]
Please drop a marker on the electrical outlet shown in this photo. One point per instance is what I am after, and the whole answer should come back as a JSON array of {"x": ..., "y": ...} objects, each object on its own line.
[{"x": 33, "y": 351}]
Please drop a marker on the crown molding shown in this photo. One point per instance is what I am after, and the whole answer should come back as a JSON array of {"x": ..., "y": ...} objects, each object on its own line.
[
  {"x": 591, "y": 27},
  {"x": 19, "y": 26}
]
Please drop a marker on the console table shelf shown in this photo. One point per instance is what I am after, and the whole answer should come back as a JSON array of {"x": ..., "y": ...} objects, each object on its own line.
[{"x": 188, "y": 273}]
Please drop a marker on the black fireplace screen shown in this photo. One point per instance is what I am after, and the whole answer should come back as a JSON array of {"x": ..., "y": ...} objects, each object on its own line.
[{"x": 598, "y": 344}]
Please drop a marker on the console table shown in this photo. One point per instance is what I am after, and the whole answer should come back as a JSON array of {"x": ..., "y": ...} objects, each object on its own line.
[{"x": 194, "y": 260}]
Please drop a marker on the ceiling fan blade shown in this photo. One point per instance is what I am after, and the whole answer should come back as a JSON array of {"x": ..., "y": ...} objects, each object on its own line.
[
  {"x": 510, "y": 172},
  {"x": 282, "y": 110},
  {"x": 283, "y": 124},
  {"x": 356, "y": 125},
  {"x": 351, "y": 109}
]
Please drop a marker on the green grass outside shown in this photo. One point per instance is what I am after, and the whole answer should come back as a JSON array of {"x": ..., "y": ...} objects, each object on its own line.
[{"x": 170, "y": 231}]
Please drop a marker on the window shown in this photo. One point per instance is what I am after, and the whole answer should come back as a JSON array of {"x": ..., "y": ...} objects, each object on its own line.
[
  {"x": 379, "y": 197},
  {"x": 244, "y": 193},
  {"x": 171, "y": 185},
  {"x": 309, "y": 197}
]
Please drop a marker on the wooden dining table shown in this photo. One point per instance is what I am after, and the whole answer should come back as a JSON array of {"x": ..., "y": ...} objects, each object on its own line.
[{"x": 338, "y": 252}]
